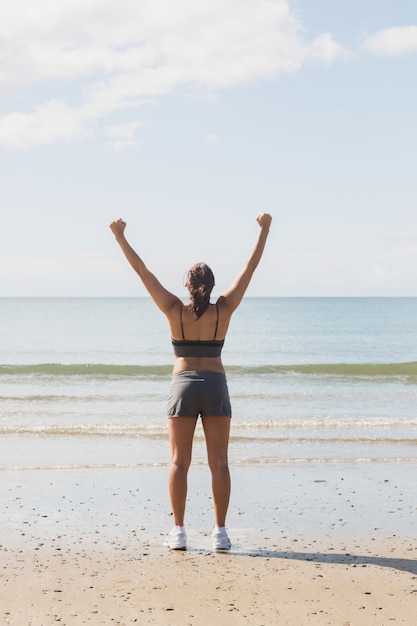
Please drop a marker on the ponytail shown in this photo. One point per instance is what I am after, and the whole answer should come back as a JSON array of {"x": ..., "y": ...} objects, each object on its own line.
[{"x": 200, "y": 286}]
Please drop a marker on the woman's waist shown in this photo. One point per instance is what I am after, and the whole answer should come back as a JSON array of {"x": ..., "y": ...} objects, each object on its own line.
[{"x": 195, "y": 364}]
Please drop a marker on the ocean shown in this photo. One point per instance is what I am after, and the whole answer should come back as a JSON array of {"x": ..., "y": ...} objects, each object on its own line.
[{"x": 84, "y": 382}]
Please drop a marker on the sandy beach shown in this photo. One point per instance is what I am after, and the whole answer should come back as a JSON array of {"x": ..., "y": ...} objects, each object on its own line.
[{"x": 312, "y": 544}]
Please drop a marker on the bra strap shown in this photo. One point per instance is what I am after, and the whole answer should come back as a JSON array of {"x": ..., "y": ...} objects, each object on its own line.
[
  {"x": 182, "y": 327},
  {"x": 217, "y": 321}
]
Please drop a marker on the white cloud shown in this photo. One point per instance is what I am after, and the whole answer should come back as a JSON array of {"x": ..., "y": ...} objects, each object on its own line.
[
  {"x": 118, "y": 55},
  {"x": 212, "y": 138},
  {"x": 393, "y": 41},
  {"x": 50, "y": 122},
  {"x": 324, "y": 48},
  {"x": 123, "y": 136}
]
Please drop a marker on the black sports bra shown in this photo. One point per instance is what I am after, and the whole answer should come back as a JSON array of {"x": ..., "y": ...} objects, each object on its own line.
[{"x": 200, "y": 349}]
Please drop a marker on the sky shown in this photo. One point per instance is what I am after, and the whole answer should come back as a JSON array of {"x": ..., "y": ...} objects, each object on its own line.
[{"x": 187, "y": 118}]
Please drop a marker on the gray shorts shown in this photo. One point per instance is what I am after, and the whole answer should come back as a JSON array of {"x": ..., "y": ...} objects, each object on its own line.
[{"x": 201, "y": 393}]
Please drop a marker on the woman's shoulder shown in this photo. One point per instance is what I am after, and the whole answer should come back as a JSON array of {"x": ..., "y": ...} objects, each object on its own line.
[
  {"x": 223, "y": 304},
  {"x": 223, "y": 307},
  {"x": 175, "y": 309}
]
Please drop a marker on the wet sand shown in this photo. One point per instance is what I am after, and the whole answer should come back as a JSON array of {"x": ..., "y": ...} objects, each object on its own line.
[{"x": 313, "y": 543}]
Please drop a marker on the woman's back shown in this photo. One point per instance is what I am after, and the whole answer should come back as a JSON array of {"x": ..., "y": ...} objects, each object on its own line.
[
  {"x": 197, "y": 343},
  {"x": 212, "y": 325}
]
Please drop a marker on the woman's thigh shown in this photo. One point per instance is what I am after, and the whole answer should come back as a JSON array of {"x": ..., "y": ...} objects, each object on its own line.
[
  {"x": 217, "y": 433},
  {"x": 181, "y": 434}
]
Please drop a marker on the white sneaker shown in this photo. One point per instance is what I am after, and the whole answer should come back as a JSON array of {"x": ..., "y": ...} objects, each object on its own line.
[
  {"x": 176, "y": 540},
  {"x": 220, "y": 540}
]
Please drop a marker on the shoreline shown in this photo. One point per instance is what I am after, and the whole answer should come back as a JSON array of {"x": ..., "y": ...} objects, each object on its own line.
[
  {"x": 316, "y": 500},
  {"x": 312, "y": 544}
]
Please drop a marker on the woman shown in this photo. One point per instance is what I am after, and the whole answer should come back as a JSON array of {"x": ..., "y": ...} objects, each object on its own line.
[{"x": 199, "y": 386}]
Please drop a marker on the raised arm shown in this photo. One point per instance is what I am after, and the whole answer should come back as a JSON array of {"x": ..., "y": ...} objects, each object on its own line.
[
  {"x": 233, "y": 296},
  {"x": 163, "y": 298}
]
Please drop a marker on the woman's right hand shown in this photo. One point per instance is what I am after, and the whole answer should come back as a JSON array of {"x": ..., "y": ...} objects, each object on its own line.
[
  {"x": 264, "y": 220},
  {"x": 118, "y": 227}
]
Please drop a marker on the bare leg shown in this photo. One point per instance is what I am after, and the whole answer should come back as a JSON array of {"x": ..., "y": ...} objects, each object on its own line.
[
  {"x": 181, "y": 433},
  {"x": 217, "y": 430}
]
